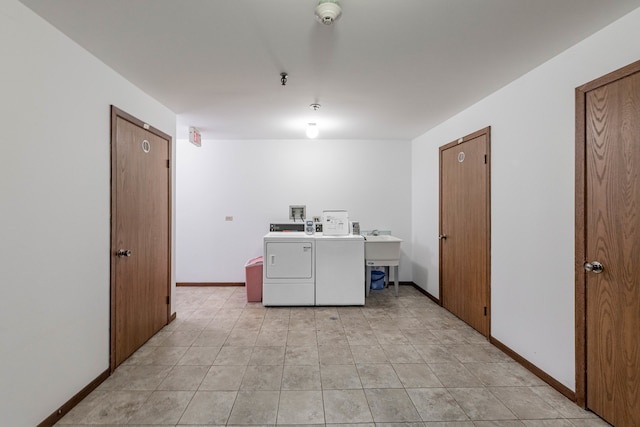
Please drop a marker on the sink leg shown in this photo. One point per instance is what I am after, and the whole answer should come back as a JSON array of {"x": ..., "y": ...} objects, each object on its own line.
[
  {"x": 395, "y": 278},
  {"x": 367, "y": 281}
]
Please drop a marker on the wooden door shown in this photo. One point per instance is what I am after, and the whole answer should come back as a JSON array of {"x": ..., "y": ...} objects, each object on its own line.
[
  {"x": 611, "y": 233},
  {"x": 140, "y": 234},
  {"x": 464, "y": 229}
]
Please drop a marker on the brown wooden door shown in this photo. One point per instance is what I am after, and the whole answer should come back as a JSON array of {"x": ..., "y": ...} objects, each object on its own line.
[
  {"x": 612, "y": 231},
  {"x": 464, "y": 229},
  {"x": 141, "y": 228}
]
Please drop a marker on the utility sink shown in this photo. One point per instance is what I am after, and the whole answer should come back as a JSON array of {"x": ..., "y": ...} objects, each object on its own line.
[{"x": 382, "y": 248}]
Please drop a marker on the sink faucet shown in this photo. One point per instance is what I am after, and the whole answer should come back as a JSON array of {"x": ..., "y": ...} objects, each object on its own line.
[{"x": 375, "y": 232}]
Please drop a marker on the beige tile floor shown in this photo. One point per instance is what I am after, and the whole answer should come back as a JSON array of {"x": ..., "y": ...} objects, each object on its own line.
[{"x": 398, "y": 360}]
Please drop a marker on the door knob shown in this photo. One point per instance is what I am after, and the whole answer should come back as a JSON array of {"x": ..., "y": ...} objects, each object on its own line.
[
  {"x": 594, "y": 267},
  {"x": 442, "y": 237},
  {"x": 123, "y": 252}
]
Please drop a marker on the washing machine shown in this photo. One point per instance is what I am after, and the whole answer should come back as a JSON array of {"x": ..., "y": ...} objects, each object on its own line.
[
  {"x": 288, "y": 269},
  {"x": 340, "y": 273}
]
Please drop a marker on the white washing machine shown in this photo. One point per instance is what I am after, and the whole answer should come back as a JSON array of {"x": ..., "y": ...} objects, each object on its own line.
[
  {"x": 288, "y": 269},
  {"x": 340, "y": 272}
]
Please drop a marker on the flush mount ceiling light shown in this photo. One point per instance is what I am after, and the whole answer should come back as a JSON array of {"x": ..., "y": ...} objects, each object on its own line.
[
  {"x": 312, "y": 130},
  {"x": 328, "y": 11}
]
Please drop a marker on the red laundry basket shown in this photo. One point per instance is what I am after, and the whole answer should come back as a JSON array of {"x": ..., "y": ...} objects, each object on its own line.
[{"x": 253, "y": 279}]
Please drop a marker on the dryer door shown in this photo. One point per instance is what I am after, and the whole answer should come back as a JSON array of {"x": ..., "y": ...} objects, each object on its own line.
[{"x": 289, "y": 260}]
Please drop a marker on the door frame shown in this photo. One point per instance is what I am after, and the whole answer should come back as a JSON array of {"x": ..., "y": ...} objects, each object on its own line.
[
  {"x": 117, "y": 113},
  {"x": 580, "y": 223},
  {"x": 485, "y": 131}
]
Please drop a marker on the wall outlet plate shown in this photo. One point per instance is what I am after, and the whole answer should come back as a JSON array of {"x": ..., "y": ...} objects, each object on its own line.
[{"x": 297, "y": 212}]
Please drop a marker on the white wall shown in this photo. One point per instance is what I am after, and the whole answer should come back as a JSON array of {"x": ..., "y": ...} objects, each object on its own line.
[
  {"x": 532, "y": 175},
  {"x": 54, "y": 212},
  {"x": 256, "y": 181}
]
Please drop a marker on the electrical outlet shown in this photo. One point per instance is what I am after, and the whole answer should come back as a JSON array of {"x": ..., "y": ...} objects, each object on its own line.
[{"x": 297, "y": 212}]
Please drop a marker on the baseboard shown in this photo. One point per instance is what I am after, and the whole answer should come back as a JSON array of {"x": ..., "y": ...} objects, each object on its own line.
[
  {"x": 431, "y": 297},
  {"x": 210, "y": 284},
  {"x": 66, "y": 407},
  {"x": 568, "y": 393},
  {"x": 172, "y": 318}
]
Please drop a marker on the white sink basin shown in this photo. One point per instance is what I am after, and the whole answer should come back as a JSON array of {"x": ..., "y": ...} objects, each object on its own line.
[{"x": 382, "y": 248}]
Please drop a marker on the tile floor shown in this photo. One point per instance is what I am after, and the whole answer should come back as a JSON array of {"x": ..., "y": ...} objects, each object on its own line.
[{"x": 401, "y": 360}]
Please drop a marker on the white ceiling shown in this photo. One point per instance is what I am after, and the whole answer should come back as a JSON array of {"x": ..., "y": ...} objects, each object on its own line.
[{"x": 387, "y": 69}]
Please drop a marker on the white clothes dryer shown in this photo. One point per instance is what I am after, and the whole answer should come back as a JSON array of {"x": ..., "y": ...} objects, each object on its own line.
[{"x": 288, "y": 269}]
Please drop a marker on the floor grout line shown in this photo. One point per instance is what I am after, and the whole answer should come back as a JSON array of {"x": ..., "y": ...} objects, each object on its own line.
[{"x": 452, "y": 355}]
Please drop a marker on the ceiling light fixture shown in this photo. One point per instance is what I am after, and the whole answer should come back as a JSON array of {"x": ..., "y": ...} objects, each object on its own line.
[
  {"x": 312, "y": 130},
  {"x": 328, "y": 11}
]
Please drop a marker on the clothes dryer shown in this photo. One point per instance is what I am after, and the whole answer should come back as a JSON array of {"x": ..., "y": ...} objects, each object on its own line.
[{"x": 289, "y": 269}]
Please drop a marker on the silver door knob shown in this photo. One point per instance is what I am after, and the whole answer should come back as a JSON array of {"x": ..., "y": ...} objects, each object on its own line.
[
  {"x": 442, "y": 237},
  {"x": 123, "y": 252},
  {"x": 593, "y": 267}
]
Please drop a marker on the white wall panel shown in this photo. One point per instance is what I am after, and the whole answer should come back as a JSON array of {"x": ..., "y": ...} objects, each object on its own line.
[
  {"x": 532, "y": 196},
  {"x": 54, "y": 212},
  {"x": 256, "y": 181}
]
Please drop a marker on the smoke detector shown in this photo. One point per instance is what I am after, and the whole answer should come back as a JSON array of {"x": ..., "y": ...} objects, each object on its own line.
[{"x": 328, "y": 11}]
